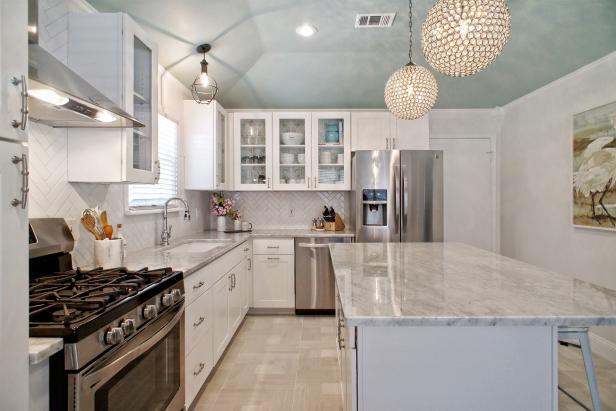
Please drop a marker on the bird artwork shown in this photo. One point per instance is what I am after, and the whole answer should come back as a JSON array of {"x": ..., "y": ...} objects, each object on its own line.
[{"x": 594, "y": 167}]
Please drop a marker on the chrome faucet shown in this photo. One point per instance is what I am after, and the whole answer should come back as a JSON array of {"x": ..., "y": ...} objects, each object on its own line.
[{"x": 166, "y": 235}]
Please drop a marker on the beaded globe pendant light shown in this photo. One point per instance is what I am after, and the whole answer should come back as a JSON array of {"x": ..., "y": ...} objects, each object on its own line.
[
  {"x": 204, "y": 88},
  {"x": 411, "y": 91},
  {"x": 463, "y": 37}
]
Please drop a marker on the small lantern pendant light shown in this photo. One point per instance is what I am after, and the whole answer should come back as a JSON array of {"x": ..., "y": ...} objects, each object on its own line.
[
  {"x": 204, "y": 88},
  {"x": 411, "y": 91}
]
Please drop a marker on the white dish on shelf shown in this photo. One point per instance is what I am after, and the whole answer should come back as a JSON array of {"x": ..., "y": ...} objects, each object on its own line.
[{"x": 292, "y": 138}]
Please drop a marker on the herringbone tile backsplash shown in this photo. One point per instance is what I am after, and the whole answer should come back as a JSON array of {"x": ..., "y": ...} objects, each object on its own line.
[{"x": 273, "y": 209}]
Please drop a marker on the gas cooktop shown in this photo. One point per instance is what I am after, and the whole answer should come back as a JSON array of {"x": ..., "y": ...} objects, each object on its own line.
[{"x": 78, "y": 302}]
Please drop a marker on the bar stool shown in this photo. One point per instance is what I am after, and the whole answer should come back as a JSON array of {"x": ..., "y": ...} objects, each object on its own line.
[{"x": 580, "y": 334}]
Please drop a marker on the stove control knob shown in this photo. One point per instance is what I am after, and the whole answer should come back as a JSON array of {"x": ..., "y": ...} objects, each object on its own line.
[
  {"x": 177, "y": 295},
  {"x": 128, "y": 326},
  {"x": 150, "y": 311},
  {"x": 167, "y": 300},
  {"x": 114, "y": 336}
]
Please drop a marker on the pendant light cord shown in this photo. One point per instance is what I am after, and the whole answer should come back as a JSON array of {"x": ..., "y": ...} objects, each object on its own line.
[{"x": 410, "y": 32}]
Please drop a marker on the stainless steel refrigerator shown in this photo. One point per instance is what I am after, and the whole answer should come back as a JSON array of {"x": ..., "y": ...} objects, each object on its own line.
[{"x": 397, "y": 195}]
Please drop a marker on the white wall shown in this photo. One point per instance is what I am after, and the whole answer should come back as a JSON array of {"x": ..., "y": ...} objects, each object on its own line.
[
  {"x": 53, "y": 196},
  {"x": 536, "y": 176}
]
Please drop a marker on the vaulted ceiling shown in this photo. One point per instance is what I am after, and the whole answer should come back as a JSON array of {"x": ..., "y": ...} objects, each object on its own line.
[{"x": 259, "y": 61}]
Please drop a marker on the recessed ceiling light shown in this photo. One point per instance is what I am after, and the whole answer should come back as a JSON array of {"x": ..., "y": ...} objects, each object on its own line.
[{"x": 306, "y": 30}]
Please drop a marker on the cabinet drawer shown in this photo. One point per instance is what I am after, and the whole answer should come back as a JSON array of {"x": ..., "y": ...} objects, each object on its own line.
[
  {"x": 199, "y": 281},
  {"x": 198, "y": 319},
  {"x": 198, "y": 366},
  {"x": 264, "y": 246}
]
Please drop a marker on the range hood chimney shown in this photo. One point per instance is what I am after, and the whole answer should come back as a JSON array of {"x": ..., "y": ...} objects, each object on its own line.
[{"x": 59, "y": 97}]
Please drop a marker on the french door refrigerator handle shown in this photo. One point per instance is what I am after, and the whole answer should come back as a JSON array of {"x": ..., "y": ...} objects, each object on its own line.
[
  {"x": 397, "y": 199},
  {"x": 404, "y": 198}
]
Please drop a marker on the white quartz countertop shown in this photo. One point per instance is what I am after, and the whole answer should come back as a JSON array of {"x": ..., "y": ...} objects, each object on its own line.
[
  {"x": 448, "y": 284},
  {"x": 40, "y": 349},
  {"x": 189, "y": 262}
]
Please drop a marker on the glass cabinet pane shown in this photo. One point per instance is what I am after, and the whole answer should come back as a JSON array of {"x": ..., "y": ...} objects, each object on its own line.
[
  {"x": 331, "y": 148},
  {"x": 253, "y": 151},
  {"x": 292, "y": 144},
  {"x": 142, "y": 106},
  {"x": 220, "y": 147}
]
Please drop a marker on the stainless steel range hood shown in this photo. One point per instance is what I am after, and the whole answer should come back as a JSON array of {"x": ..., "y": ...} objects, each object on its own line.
[{"x": 59, "y": 97}]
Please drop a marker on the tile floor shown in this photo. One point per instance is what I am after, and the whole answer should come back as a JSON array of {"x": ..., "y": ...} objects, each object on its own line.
[{"x": 289, "y": 364}]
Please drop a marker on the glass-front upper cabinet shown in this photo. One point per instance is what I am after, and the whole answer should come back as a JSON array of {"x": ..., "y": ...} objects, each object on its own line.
[
  {"x": 253, "y": 149},
  {"x": 124, "y": 67},
  {"x": 331, "y": 151},
  {"x": 220, "y": 174},
  {"x": 292, "y": 155}
]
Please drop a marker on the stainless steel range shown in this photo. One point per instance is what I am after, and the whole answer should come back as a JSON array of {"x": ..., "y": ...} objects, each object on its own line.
[{"x": 123, "y": 330}]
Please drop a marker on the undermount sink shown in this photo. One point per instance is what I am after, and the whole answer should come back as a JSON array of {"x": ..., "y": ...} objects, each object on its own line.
[{"x": 197, "y": 246}]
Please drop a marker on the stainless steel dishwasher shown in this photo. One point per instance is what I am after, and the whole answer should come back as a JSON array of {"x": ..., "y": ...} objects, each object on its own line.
[{"x": 314, "y": 275}]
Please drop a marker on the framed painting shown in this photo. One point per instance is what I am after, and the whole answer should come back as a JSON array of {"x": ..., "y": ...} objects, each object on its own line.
[{"x": 594, "y": 168}]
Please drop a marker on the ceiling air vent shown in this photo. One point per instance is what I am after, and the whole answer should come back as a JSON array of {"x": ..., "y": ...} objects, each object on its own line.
[{"x": 374, "y": 20}]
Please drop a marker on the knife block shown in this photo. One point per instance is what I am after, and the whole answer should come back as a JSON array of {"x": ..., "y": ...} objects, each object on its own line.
[{"x": 337, "y": 225}]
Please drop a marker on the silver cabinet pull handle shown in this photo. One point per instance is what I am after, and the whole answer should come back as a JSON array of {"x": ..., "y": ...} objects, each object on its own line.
[
  {"x": 24, "y": 102},
  {"x": 199, "y": 322},
  {"x": 246, "y": 249},
  {"x": 273, "y": 246},
  {"x": 269, "y": 182},
  {"x": 249, "y": 264},
  {"x": 201, "y": 367},
  {"x": 273, "y": 258},
  {"x": 198, "y": 285},
  {"x": 25, "y": 186},
  {"x": 157, "y": 165},
  {"x": 315, "y": 183}
]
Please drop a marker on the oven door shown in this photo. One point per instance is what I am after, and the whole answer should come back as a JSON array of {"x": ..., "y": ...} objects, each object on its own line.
[{"x": 144, "y": 373}]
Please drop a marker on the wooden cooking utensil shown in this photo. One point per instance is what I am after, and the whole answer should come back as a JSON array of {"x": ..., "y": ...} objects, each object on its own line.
[
  {"x": 104, "y": 220},
  {"x": 89, "y": 222},
  {"x": 108, "y": 230}
]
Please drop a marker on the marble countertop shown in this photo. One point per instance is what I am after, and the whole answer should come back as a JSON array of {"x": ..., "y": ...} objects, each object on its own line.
[
  {"x": 40, "y": 349},
  {"x": 189, "y": 262},
  {"x": 448, "y": 284}
]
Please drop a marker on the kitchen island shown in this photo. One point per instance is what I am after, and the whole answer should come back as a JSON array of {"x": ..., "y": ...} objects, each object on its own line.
[{"x": 446, "y": 326}]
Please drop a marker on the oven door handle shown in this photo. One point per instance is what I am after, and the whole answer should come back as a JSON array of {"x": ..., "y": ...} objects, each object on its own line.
[{"x": 102, "y": 375}]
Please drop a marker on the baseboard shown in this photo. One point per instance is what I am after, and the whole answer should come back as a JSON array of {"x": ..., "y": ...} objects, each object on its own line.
[
  {"x": 603, "y": 347},
  {"x": 271, "y": 311}
]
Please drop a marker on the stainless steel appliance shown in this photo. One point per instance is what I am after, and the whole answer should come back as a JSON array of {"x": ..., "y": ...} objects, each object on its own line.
[
  {"x": 314, "y": 275},
  {"x": 397, "y": 195},
  {"x": 123, "y": 330}
]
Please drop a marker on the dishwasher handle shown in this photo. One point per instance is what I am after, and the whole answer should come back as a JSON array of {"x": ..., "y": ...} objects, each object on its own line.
[{"x": 309, "y": 245}]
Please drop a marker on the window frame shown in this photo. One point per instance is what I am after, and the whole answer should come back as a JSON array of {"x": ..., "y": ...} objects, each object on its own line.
[{"x": 144, "y": 210}]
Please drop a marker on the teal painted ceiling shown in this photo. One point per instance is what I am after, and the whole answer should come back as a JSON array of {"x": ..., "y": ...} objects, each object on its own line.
[{"x": 259, "y": 61}]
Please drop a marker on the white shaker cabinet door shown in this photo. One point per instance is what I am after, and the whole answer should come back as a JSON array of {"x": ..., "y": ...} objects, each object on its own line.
[
  {"x": 13, "y": 279},
  {"x": 13, "y": 69},
  {"x": 274, "y": 281},
  {"x": 221, "y": 316}
]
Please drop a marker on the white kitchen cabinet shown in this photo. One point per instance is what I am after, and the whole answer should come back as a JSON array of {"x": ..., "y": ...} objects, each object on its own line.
[
  {"x": 410, "y": 134},
  {"x": 380, "y": 130},
  {"x": 205, "y": 146},
  {"x": 236, "y": 297},
  {"x": 246, "y": 285},
  {"x": 331, "y": 151},
  {"x": 13, "y": 277},
  {"x": 252, "y": 147},
  {"x": 110, "y": 51},
  {"x": 292, "y": 143},
  {"x": 274, "y": 281},
  {"x": 371, "y": 130},
  {"x": 13, "y": 69},
  {"x": 198, "y": 365},
  {"x": 220, "y": 295}
]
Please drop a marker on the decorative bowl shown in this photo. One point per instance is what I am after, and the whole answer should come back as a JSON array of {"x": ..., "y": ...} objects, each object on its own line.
[
  {"x": 292, "y": 138},
  {"x": 332, "y": 137}
]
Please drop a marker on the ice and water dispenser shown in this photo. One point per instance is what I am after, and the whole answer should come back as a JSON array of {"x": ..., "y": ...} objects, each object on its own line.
[{"x": 374, "y": 207}]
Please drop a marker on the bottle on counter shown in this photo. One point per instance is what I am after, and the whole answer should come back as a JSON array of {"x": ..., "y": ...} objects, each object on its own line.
[{"x": 120, "y": 236}]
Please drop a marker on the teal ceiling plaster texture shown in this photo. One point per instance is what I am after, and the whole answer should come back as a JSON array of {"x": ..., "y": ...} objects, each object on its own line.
[{"x": 259, "y": 61}]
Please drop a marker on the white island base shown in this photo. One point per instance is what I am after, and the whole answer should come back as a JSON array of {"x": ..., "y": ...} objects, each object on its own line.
[{"x": 451, "y": 368}]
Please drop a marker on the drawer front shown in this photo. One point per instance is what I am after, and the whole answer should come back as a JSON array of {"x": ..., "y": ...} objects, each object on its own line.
[
  {"x": 276, "y": 246},
  {"x": 198, "y": 319},
  {"x": 198, "y": 366},
  {"x": 199, "y": 281}
]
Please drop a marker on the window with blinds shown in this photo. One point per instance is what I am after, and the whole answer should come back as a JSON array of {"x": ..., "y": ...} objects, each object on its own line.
[{"x": 155, "y": 195}]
